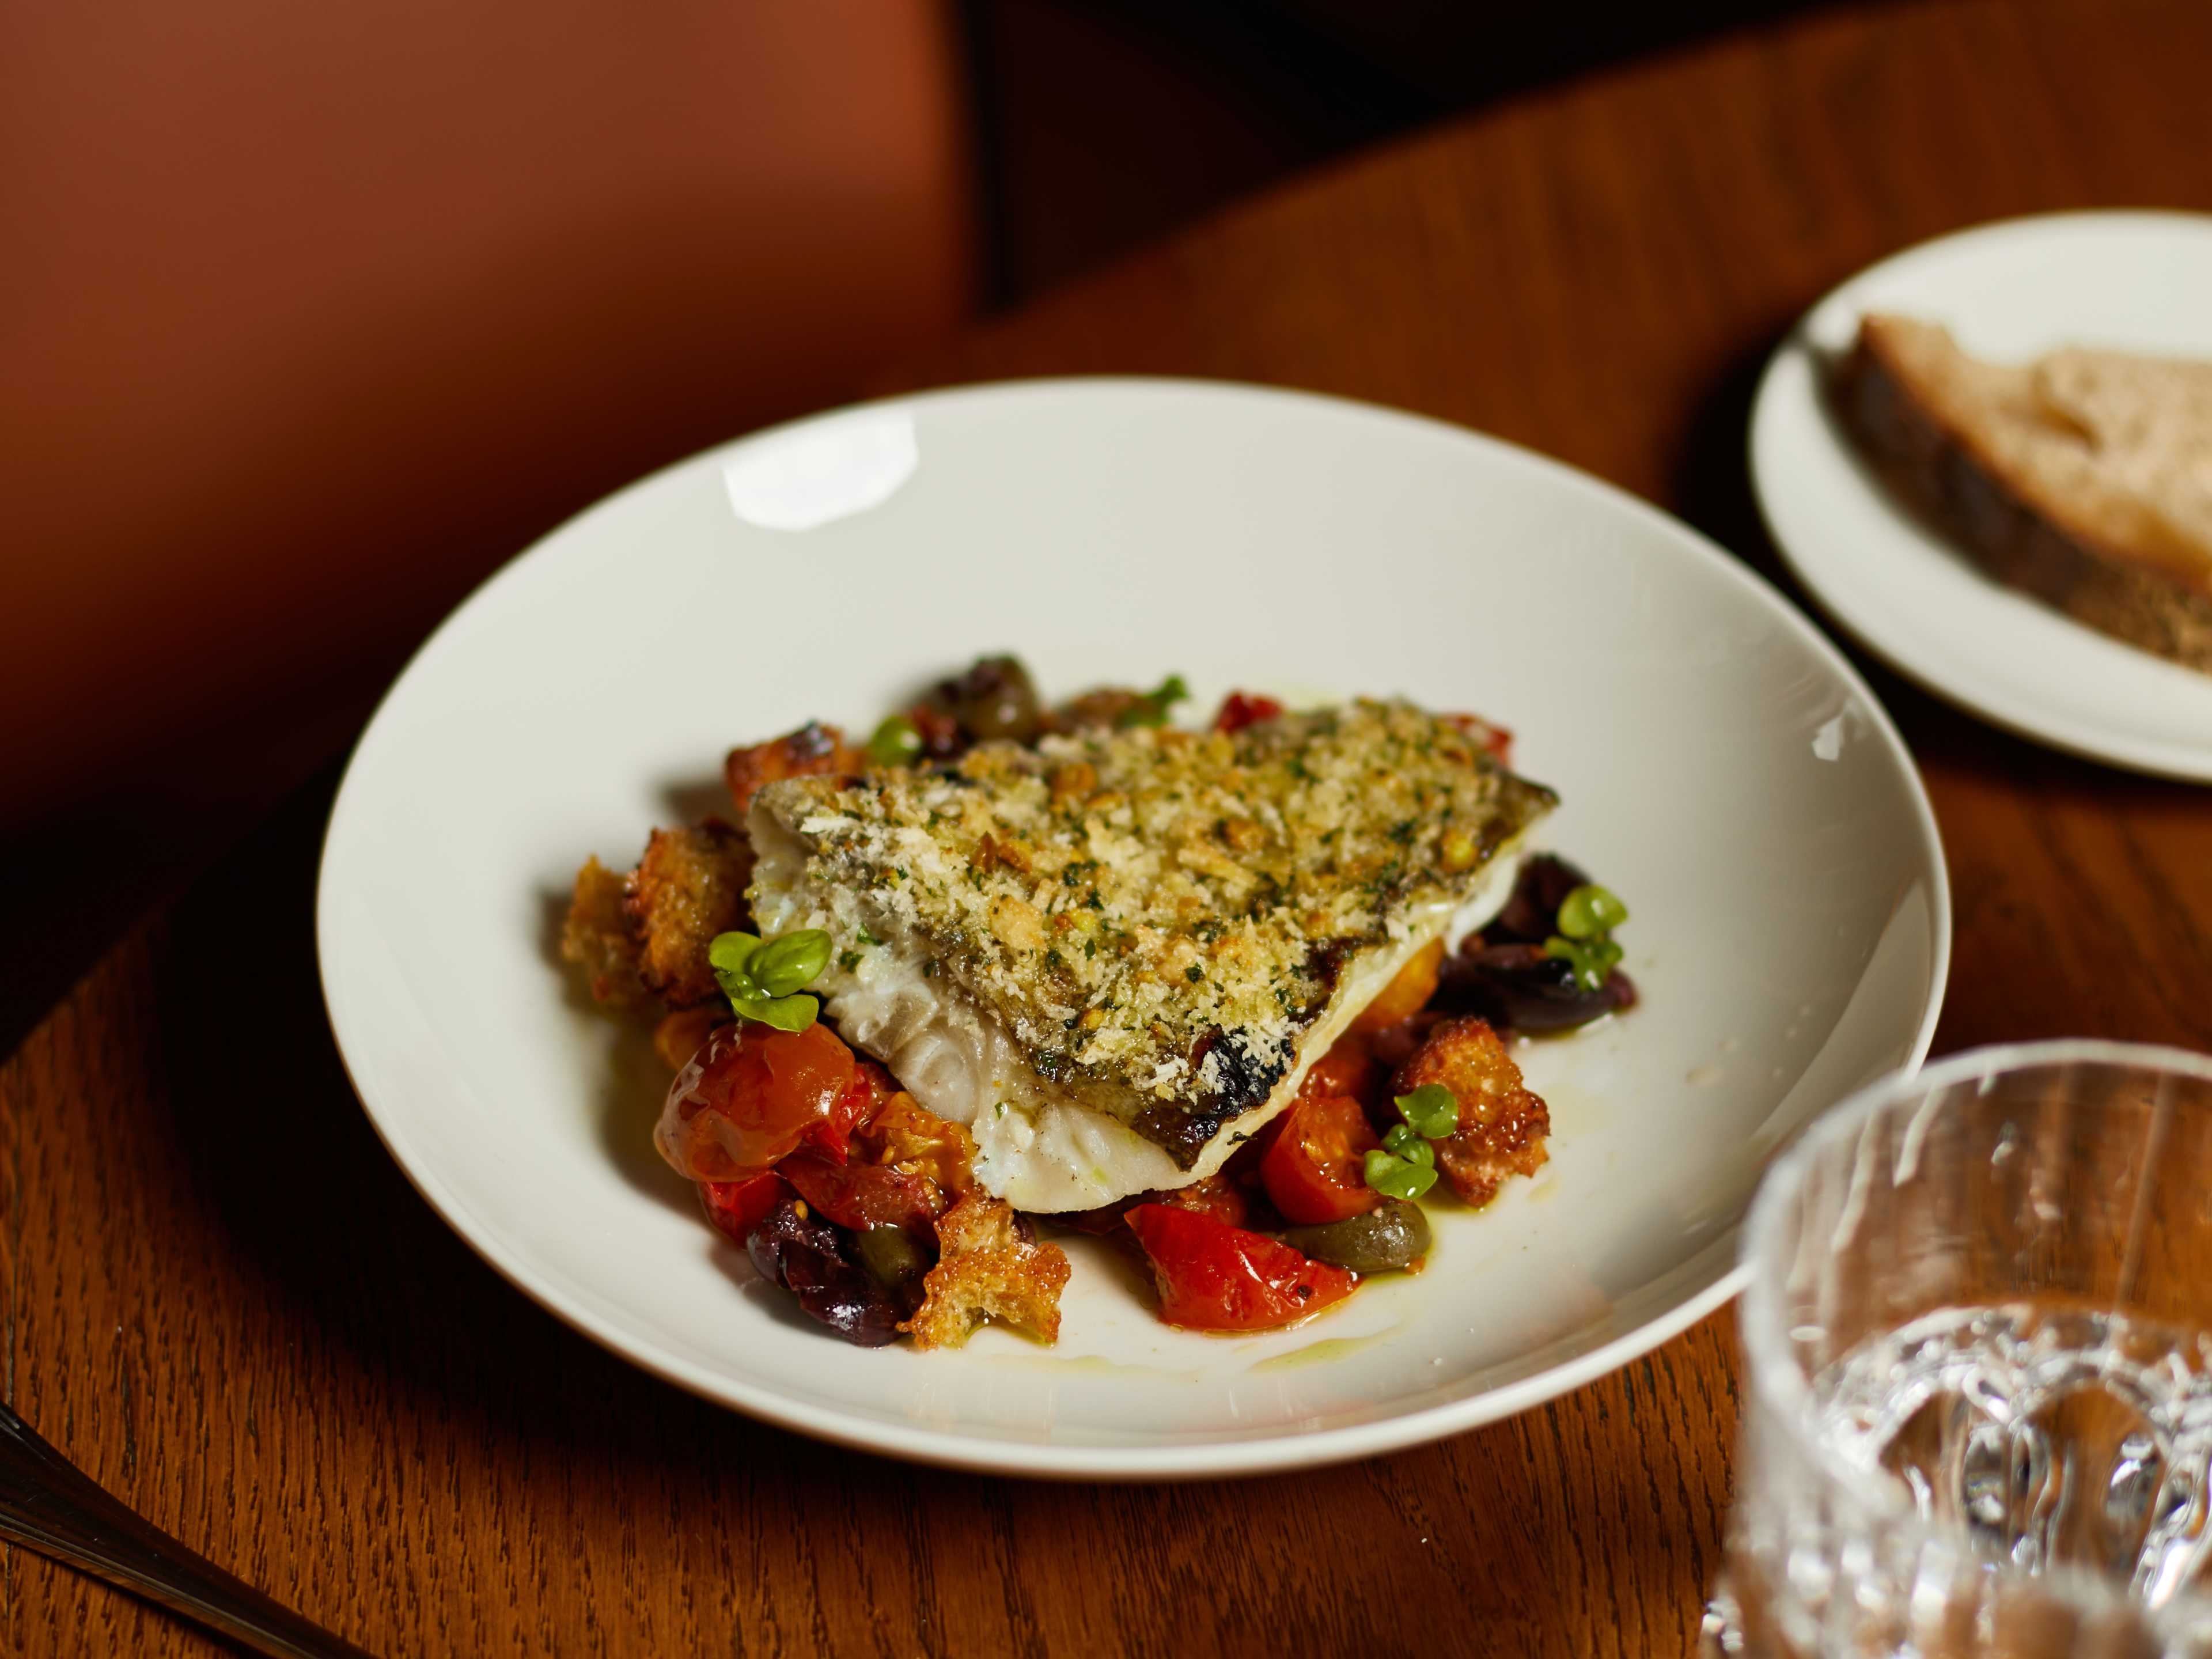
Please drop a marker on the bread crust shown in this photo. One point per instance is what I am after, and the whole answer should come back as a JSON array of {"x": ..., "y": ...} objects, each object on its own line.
[{"x": 1942, "y": 473}]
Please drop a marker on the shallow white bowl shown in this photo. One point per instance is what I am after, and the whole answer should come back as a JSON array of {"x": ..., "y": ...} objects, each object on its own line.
[
  {"x": 1722, "y": 766},
  {"x": 2138, "y": 281}
]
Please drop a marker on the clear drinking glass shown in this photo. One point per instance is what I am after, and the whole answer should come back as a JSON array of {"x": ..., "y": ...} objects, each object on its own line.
[{"x": 1978, "y": 1344}]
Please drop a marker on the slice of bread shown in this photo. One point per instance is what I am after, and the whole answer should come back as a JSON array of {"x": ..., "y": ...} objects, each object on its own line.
[{"x": 2084, "y": 478}]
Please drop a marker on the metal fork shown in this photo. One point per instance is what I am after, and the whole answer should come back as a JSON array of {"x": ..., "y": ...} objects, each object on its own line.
[{"x": 48, "y": 1504}]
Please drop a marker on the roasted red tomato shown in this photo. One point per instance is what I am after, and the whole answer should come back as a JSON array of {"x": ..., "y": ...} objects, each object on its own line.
[
  {"x": 1214, "y": 1195},
  {"x": 869, "y": 1092},
  {"x": 899, "y": 1133},
  {"x": 859, "y": 1195},
  {"x": 1348, "y": 1068},
  {"x": 750, "y": 1095},
  {"x": 1214, "y": 1277},
  {"x": 1315, "y": 1172},
  {"x": 1487, "y": 735},
  {"x": 1239, "y": 711},
  {"x": 736, "y": 1207},
  {"x": 1405, "y": 995}
]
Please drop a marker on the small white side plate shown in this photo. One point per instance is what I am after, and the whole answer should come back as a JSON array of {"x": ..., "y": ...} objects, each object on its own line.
[
  {"x": 1720, "y": 765},
  {"x": 2139, "y": 281}
]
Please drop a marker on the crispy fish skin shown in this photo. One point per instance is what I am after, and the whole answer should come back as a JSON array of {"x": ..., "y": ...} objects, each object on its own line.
[{"x": 1153, "y": 921}]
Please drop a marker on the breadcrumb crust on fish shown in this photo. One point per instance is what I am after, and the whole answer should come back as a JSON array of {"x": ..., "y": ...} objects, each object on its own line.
[{"x": 1157, "y": 917}]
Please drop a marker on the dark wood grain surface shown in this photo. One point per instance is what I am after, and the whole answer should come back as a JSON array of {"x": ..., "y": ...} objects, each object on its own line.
[{"x": 222, "y": 1299}]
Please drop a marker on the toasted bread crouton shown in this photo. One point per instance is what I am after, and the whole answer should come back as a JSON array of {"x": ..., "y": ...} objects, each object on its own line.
[
  {"x": 689, "y": 886},
  {"x": 812, "y": 750},
  {"x": 598, "y": 939},
  {"x": 1501, "y": 1125},
  {"x": 987, "y": 1270}
]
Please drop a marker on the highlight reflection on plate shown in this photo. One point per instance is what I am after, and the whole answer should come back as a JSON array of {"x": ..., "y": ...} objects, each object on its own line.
[{"x": 1720, "y": 765}]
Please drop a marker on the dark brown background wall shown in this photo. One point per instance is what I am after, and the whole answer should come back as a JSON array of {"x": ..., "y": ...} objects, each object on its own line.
[{"x": 311, "y": 316}]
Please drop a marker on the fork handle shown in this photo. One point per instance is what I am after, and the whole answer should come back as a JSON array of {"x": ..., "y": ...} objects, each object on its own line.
[{"x": 48, "y": 1504}]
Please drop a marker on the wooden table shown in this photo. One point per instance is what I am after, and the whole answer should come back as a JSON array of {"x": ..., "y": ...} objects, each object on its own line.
[{"x": 226, "y": 1304}]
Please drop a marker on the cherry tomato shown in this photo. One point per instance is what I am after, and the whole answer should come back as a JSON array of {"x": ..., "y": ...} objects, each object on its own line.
[
  {"x": 1214, "y": 1195},
  {"x": 1407, "y": 993},
  {"x": 1244, "y": 1165},
  {"x": 1214, "y": 1277},
  {"x": 1315, "y": 1172},
  {"x": 749, "y": 1096},
  {"x": 1348, "y": 1068},
  {"x": 1486, "y": 734},
  {"x": 870, "y": 1090},
  {"x": 899, "y": 1133},
  {"x": 1239, "y": 711},
  {"x": 859, "y": 1195},
  {"x": 677, "y": 1038},
  {"x": 736, "y": 1207}
]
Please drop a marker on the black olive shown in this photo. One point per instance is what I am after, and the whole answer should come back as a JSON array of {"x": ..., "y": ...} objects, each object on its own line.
[
  {"x": 807, "y": 1255},
  {"x": 1531, "y": 914},
  {"x": 1519, "y": 986},
  {"x": 994, "y": 699},
  {"x": 1393, "y": 1234}
]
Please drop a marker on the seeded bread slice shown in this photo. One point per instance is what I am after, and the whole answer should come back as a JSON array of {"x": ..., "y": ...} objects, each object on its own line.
[{"x": 2084, "y": 478}]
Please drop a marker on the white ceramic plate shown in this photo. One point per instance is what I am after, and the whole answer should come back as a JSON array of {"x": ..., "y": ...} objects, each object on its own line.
[
  {"x": 1721, "y": 764},
  {"x": 2136, "y": 280}
]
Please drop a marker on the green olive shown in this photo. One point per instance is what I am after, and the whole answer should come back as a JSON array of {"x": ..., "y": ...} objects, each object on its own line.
[
  {"x": 892, "y": 1255},
  {"x": 1391, "y": 1235}
]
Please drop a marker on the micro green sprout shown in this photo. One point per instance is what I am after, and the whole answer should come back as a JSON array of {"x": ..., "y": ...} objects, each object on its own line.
[
  {"x": 1397, "y": 1177},
  {"x": 762, "y": 979},
  {"x": 1431, "y": 1111},
  {"x": 896, "y": 742},
  {"x": 1151, "y": 709},
  {"x": 1588, "y": 916}
]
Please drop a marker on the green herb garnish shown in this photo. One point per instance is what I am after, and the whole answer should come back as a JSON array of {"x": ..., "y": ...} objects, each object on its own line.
[
  {"x": 1584, "y": 942},
  {"x": 1405, "y": 1141},
  {"x": 1152, "y": 708},
  {"x": 896, "y": 742},
  {"x": 762, "y": 979},
  {"x": 1397, "y": 1177},
  {"x": 1431, "y": 1111}
]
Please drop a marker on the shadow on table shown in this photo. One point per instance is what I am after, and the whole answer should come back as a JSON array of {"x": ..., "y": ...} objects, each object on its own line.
[
  {"x": 326, "y": 1227},
  {"x": 1711, "y": 489}
]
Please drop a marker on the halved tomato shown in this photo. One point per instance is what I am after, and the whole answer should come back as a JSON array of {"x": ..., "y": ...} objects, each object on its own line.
[
  {"x": 1348, "y": 1068},
  {"x": 1214, "y": 1195},
  {"x": 1239, "y": 711},
  {"x": 736, "y": 1207},
  {"x": 1214, "y": 1277},
  {"x": 861, "y": 1196},
  {"x": 1315, "y": 1172},
  {"x": 870, "y": 1090},
  {"x": 1405, "y": 995}
]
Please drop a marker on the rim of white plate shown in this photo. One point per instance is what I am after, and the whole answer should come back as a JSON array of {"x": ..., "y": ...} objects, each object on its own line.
[{"x": 1285, "y": 1450}]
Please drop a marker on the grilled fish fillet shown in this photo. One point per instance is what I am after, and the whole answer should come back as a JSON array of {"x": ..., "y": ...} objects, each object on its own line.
[{"x": 1114, "y": 955}]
